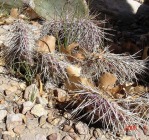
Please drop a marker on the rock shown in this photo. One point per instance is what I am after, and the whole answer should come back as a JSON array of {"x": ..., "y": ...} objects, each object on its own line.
[
  {"x": 67, "y": 115},
  {"x": 53, "y": 136},
  {"x": 27, "y": 106},
  {"x": 38, "y": 110},
  {"x": 41, "y": 100},
  {"x": 32, "y": 123},
  {"x": 22, "y": 86},
  {"x": 11, "y": 90},
  {"x": 67, "y": 138},
  {"x": 92, "y": 138},
  {"x": 68, "y": 128},
  {"x": 19, "y": 129},
  {"x": 31, "y": 92},
  {"x": 81, "y": 128},
  {"x": 61, "y": 95},
  {"x": 56, "y": 121},
  {"x": 14, "y": 120},
  {"x": 91, "y": 131},
  {"x": 10, "y": 133},
  {"x": 3, "y": 126},
  {"x": 3, "y": 114},
  {"x": 97, "y": 133},
  {"x": 7, "y": 137},
  {"x": 40, "y": 137},
  {"x": 2, "y": 31},
  {"x": 42, "y": 120},
  {"x": 74, "y": 136},
  {"x": 115, "y": 7}
]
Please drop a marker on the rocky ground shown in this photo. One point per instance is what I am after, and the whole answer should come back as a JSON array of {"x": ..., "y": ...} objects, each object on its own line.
[{"x": 26, "y": 115}]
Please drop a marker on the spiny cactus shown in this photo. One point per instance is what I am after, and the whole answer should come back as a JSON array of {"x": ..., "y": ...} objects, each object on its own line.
[
  {"x": 125, "y": 67},
  {"x": 19, "y": 43},
  {"x": 83, "y": 31},
  {"x": 97, "y": 106},
  {"x": 52, "y": 67}
]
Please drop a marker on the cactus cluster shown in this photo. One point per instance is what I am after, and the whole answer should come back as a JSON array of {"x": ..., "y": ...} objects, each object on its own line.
[{"x": 92, "y": 102}]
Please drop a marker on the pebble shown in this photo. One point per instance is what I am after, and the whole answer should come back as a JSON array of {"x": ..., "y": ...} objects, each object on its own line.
[
  {"x": 97, "y": 133},
  {"x": 19, "y": 129},
  {"x": 53, "y": 136},
  {"x": 11, "y": 90},
  {"x": 27, "y": 106},
  {"x": 61, "y": 95},
  {"x": 67, "y": 138},
  {"x": 32, "y": 123},
  {"x": 3, "y": 114},
  {"x": 38, "y": 110},
  {"x": 74, "y": 136},
  {"x": 42, "y": 120},
  {"x": 93, "y": 138},
  {"x": 13, "y": 120},
  {"x": 40, "y": 137},
  {"x": 81, "y": 128},
  {"x": 68, "y": 128},
  {"x": 55, "y": 121},
  {"x": 41, "y": 100}
]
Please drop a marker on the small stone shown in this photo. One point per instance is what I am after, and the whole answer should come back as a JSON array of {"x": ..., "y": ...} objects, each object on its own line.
[
  {"x": 56, "y": 121},
  {"x": 13, "y": 120},
  {"x": 10, "y": 133},
  {"x": 31, "y": 92},
  {"x": 38, "y": 110},
  {"x": 92, "y": 138},
  {"x": 3, "y": 114},
  {"x": 11, "y": 90},
  {"x": 74, "y": 136},
  {"x": 40, "y": 137},
  {"x": 41, "y": 100},
  {"x": 19, "y": 129},
  {"x": 2, "y": 31},
  {"x": 97, "y": 133},
  {"x": 42, "y": 120},
  {"x": 22, "y": 86},
  {"x": 67, "y": 138},
  {"x": 61, "y": 95},
  {"x": 91, "y": 131},
  {"x": 68, "y": 128},
  {"x": 67, "y": 115},
  {"x": 27, "y": 106},
  {"x": 81, "y": 128},
  {"x": 53, "y": 137},
  {"x": 7, "y": 137},
  {"x": 32, "y": 123}
]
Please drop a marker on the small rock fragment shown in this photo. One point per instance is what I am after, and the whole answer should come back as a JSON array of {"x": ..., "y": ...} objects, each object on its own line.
[
  {"x": 38, "y": 110},
  {"x": 81, "y": 128},
  {"x": 68, "y": 128},
  {"x": 67, "y": 138},
  {"x": 3, "y": 114},
  {"x": 19, "y": 129},
  {"x": 40, "y": 137},
  {"x": 61, "y": 95},
  {"x": 97, "y": 133},
  {"x": 74, "y": 136},
  {"x": 53, "y": 136},
  {"x": 42, "y": 120},
  {"x": 32, "y": 123},
  {"x": 13, "y": 120},
  {"x": 27, "y": 106}
]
